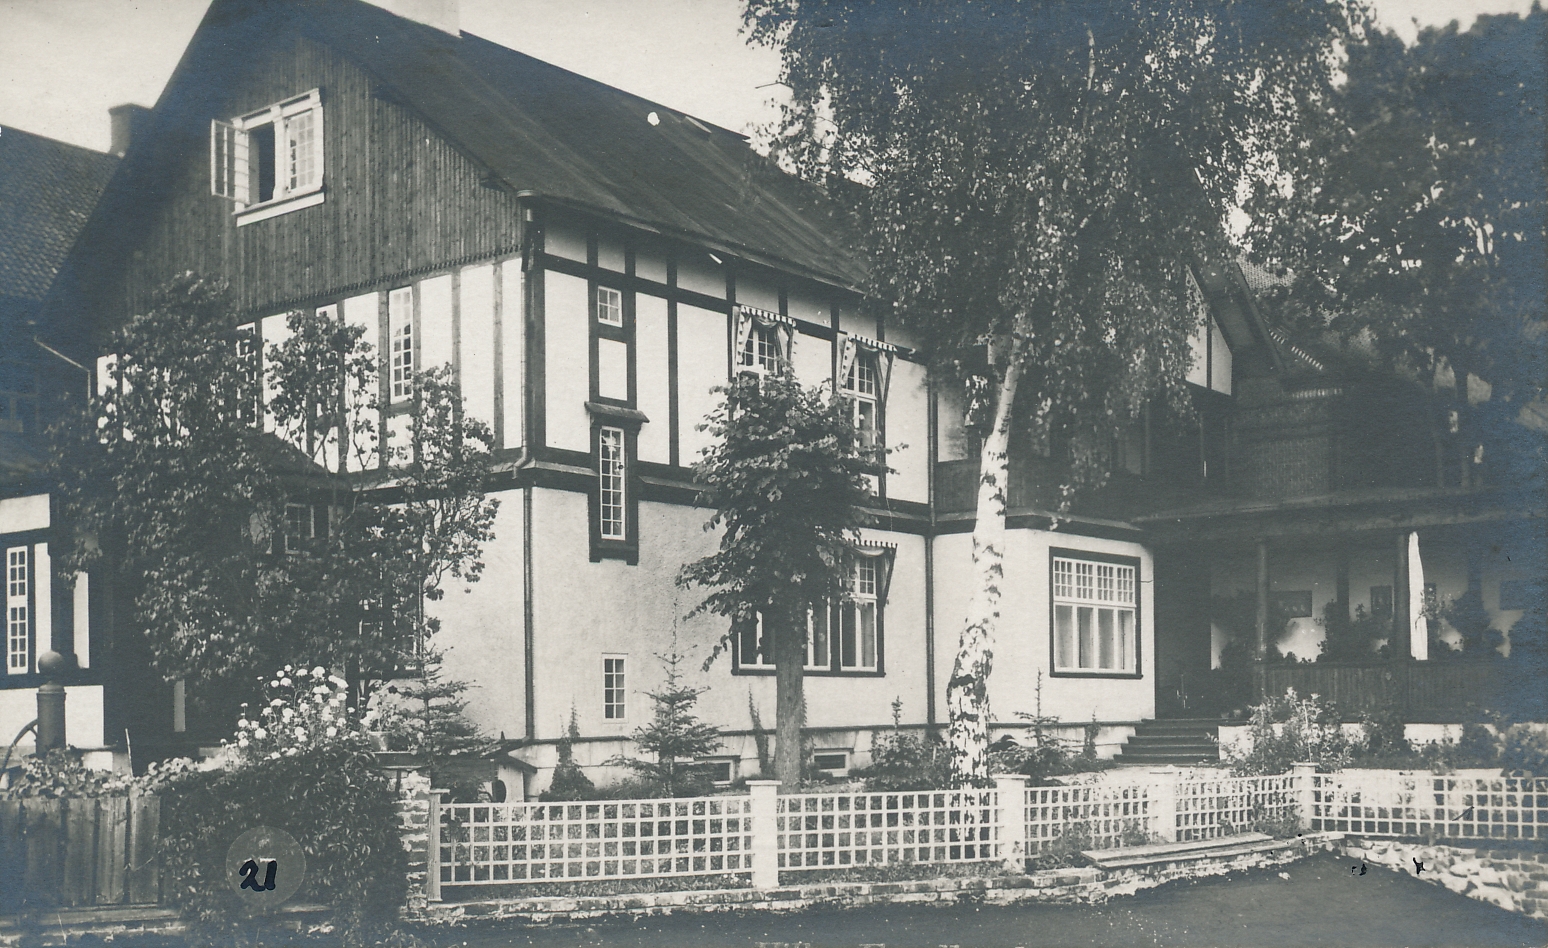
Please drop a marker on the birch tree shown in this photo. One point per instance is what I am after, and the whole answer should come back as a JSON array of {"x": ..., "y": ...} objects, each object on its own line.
[{"x": 1035, "y": 177}]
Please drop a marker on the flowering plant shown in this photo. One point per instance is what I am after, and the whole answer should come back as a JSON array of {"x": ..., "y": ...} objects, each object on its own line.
[{"x": 305, "y": 710}]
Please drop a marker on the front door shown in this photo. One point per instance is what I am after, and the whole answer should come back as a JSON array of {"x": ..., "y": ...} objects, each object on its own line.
[{"x": 1182, "y": 635}]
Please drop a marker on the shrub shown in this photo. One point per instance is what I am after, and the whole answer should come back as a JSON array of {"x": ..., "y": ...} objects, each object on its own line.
[
  {"x": 1524, "y": 748},
  {"x": 904, "y": 761},
  {"x": 569, "y": 782},
  {"x": 305, "y": 711},
  {"x": 1384, "y": 732},
  {"x": 60, "y": 774},
  {"x": 332, "y": 800},
  {"x": 1287, "y": 730}
]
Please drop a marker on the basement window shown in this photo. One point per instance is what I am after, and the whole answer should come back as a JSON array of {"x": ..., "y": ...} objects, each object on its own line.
[{"x": 270, "y": 162}]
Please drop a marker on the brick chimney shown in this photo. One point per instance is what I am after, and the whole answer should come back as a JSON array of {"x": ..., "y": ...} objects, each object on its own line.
[
  {"x": 441, "y": 14},
  {"x": 127, "y": 122}
]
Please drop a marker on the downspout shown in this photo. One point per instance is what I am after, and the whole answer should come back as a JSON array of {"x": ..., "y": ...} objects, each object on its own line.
[{"x": 929, "y": 553}]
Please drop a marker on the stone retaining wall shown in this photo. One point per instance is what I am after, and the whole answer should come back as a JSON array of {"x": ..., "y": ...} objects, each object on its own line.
[
  {"x": 1513, "y": 879},
  {"x": 1053, "y": 885}
]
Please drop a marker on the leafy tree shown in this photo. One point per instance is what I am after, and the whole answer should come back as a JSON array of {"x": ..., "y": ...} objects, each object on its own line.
[
  {"x": 241, "y": 550},
  {"x": 1035, "y": 177},
  {"x": 675, "y": 736},
  {"x": 1418, "y": 238},
  {"x": 786, "y": 476}
]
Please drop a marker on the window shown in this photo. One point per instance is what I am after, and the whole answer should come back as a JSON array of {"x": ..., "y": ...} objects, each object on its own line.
[
  {"x": 835, "y": 763},
  {"x": 720, "y": 770},
  {"x": 613, "y": 687},
  {"x": 1095, "y": 616},
  {"x": 609, "y": 306},
  {"x": 18, "y": 651},
  {"x": 299, "y": 527},
  {"x": 754, "y": 649},
  {"x": 248, "y": 371},
  {"x": 857, "y": 621},
  {"x": 862, "y": 388},
  {"x": 761, "y": 350},
  {"x": 400, "y": 330},
  {"x": 271, "y": 159},
  {"x": 610, "y": 483},
  {"x": 18, "y": 396}
]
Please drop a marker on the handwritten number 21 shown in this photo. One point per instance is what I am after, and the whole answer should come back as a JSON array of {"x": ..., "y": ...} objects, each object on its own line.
[{"x": 249, "y": 870}]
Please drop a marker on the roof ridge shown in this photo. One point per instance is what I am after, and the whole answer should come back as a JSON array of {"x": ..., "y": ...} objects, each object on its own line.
[{"x": 13, "y": 129}]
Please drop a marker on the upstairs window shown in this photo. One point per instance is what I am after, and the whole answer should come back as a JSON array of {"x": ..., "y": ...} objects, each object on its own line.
[
  {"x": 611, "y": 484},
  {"x": 609, "y": 306},
  {"x": 270, "y": 160},
  {"x": 862, "y": 387},
  {"x": 761, "y": 350},
  {"x": 400, "y": 330},
  {"x": 857, "y": 621},
  {"x": 1095, "y": 616}
]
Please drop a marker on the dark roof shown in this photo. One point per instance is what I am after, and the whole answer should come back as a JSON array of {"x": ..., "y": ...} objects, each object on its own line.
[
  {"x": 550, "y": 133},
  {"x": 47, "y": 190}
]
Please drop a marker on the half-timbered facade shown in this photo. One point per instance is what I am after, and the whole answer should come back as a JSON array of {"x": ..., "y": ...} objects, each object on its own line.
[{"x": 590, "y": 265}]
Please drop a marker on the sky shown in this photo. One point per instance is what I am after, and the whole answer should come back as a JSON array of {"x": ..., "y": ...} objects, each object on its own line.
[{"x": 64, "y": 63}]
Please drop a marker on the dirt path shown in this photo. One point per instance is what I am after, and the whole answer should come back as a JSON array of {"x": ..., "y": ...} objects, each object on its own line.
[{"x": 1320, "y": 903}]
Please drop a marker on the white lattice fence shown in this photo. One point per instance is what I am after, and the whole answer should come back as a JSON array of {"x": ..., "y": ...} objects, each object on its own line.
[
  {"x": 1391, "y": 803},
  {"x": 523, "y": 842},
  {"x": 1210, "y": 806},
  {"x": 1090, "y": 816},
  {"x": 819, "y": 830}
]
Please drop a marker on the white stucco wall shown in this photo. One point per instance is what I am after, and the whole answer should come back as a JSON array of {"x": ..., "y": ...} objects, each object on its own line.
[
  {"x": 908, "y": 433},
  {"x": 83, "y": 716},
  {"x": 1022, "y": 646},
  {"x": 565, "y": 344}
]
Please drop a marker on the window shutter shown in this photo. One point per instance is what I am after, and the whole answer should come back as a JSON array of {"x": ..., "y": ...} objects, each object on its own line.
[
  {"x": 223, "y": 137},
  {"x": 846, "y": 361}
]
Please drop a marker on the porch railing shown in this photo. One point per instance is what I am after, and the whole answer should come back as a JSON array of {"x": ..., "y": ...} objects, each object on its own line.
[{"x": 1414, "y": 688}]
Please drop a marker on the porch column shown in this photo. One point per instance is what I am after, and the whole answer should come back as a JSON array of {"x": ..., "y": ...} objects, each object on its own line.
[
  {"x": 1263, "y": 599},
  {"x": 1418, "y": 626},
  {"x": 1399, "y": 642}
]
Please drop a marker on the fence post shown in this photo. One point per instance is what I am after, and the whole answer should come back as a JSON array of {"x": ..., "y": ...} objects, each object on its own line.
[
  {"x": 433, "y": 849},
  {"x": 1303, "y": 774},
  {"x": 1011, "y": 805},
  {"x": 1163, "y": 798},
  {"x": 764, "y": 802}
]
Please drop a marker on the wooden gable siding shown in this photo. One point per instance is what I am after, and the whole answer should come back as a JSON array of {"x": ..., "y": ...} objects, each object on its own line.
[{"x": 400, "y": 199}]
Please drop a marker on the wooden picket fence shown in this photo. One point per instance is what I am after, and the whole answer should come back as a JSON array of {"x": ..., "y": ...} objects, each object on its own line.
[{"x": 79, "y": 852}]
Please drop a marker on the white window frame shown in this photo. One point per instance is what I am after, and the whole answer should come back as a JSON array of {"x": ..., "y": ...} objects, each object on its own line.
[
  {"x": 402, "y": 345},
  {"x": 610, "y": 308},
  {"x": 846, "y": 752},
  {"x": 863, "y": 387},
  {"x": 1090, "y": 600},
  {"x": 864, "y": 654},
  {"x": 305, "y": 517},
  {"x": 18, "y": 611},
  {"x": 762, "y": 657},
  {"x": 612, "y": 484},
  {"x": 760, "y": 350},
  {"x": 234, "y": 172},
  {"x": 733, "y": 764},
  {"x": 615, "y": 687}
]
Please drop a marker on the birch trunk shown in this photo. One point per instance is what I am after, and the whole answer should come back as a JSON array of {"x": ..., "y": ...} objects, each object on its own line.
[
  {"x": 967, "y": 692},
  {"x": 789, "y": 697}
]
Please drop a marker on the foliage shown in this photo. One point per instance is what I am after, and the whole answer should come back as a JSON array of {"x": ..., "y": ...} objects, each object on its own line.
[
  {"x": 1346, "y": 638},
  {"x": 1524, "y": 748},
  {"x": 60, "y": 774},
  {"x": 904, "y": 761},
  {"x": 305, "y": 711},
  {"x": 1288, "y": 730},
  {"x": 425, "y": 714},
  {"x": 675, "y": 736},
  {"x": 332, "y": 800},
  {"x": 1384, "y": 732},
  {"x": 786, "y": 476},
  {"x": 569, "y": 781},
  {"x": 1030, "y": 211},
  {"x": 760, "y": 735},
  {"x": 237, "y": 549},
  {"x": 1420, "y": 245},
  {"x": 1467, "y": 615}
]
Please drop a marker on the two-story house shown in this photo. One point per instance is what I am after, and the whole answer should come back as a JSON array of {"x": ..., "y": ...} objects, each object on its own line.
[
  {"x": 591, "y": 265},
  {"x": 47, "y": 191}
]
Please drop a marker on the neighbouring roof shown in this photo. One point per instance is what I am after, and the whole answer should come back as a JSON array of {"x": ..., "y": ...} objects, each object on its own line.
[{"x": 47, "y": 191}]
